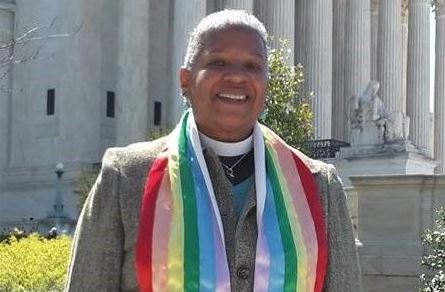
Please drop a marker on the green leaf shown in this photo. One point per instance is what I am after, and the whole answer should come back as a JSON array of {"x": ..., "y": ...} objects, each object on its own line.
[{"x": 287, "y": 110}]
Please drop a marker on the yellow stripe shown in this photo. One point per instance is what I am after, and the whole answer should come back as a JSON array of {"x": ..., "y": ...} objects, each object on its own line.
[{"x": 176, "y": 251}]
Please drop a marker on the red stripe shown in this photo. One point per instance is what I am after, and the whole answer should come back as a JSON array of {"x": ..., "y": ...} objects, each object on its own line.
[
  {"x": 313, "y": 198},
  {"x": 146, "y": 222}
]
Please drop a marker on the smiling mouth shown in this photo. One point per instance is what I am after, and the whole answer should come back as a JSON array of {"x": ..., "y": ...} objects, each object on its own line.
[{"x": 238, "y": 97}]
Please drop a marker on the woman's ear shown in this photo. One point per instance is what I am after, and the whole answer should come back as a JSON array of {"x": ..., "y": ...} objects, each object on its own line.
[{"x": 184, "y": 78}]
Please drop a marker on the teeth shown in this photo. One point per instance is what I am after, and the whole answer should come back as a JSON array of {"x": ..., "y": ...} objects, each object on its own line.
[{"x": 233, "y": 96}]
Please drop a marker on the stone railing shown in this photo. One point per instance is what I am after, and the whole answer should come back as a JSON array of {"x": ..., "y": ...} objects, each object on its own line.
[{"x": 326, "y": 148}]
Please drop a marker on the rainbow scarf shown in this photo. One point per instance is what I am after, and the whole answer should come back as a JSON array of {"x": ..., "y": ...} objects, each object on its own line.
[{"x": 180, "y": 244}]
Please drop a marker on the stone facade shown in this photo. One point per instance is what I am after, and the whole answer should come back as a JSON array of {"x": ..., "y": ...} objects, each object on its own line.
[
  {"x": 336, "y": 42},
  {"x": 389, "y": 243},
  {"x": 112, "y": 69},
  {"x": 132, "y": 71},
  {"x": 6, "y": 35}
]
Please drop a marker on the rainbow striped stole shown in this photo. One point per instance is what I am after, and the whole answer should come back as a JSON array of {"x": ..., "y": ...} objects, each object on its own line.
[{"x": 180, "y": 244}]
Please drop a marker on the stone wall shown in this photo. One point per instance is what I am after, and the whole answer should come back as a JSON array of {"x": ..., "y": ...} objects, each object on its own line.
[
  {"x": 392, "y": 212},
  {"x": 6, "y": 35},
  {"x": 29, "y": 194}
]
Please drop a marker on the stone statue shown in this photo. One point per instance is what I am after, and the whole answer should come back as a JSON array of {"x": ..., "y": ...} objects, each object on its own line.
[
  {"x": 368, "y": 107},
  {"x": 371, "y": 123}
]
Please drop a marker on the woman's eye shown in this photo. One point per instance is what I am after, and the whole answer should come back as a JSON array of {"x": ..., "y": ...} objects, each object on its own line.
[{"x": 253, "y": 66}]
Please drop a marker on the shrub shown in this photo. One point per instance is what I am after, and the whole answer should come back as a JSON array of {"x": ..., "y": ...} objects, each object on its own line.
[
  {"x": 156, "y": 133},
  {"x": 84, "y": 182},
  {"x": 34, "y": 263},
  {"x": 287, "y": 110},
  {"x": 435, "y": 260}
]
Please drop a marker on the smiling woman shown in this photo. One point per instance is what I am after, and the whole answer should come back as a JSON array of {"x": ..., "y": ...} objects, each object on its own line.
[
  {"x": 226, "y": 84},
  {"x": 226, "y": 205}
]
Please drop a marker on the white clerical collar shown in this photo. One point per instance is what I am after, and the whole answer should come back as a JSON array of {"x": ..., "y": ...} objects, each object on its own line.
[{"x": 226, "y": 148}]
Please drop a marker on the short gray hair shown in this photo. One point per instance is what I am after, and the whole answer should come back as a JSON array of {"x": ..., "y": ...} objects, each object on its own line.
[{"x": 219, "y": 21}]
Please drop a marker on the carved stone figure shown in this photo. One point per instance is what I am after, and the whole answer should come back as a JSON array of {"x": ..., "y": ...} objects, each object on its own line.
[
  {"x": 371, "y": 123},
  {"x": 369, "y": 106}
]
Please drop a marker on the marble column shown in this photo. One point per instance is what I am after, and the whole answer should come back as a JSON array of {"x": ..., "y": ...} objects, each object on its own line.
[
  {"x": 318, "y": 44},
  {"x": 374, "y": 36},
  {"x": 239, "y": 4},
  {"x": 132, "y": 89},
  {"x": 439, "y": 90},
  {"x": 339, "y": 124},
  {"x": 187, "y": 14},
  {"x": 358, "y": 47},
  {"x": 404, "y": 52},
  {"x": 418, "y": 71},
  {"x": 300, "y": 25},
  {"x": 279, "y": 17},
  {"x": 389, "y": 56}
]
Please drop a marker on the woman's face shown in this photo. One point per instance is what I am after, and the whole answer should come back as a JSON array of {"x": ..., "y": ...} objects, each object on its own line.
[{"x": 227, "y": 83}]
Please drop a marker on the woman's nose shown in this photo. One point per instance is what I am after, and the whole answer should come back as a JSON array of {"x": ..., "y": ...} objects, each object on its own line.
[{"x": 235, "y": 74}]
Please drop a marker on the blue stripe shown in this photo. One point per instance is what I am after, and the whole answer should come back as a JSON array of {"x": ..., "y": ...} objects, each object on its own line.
[
  {"x": 273, "y": 235},
  {"x": 207, "y": 277}
]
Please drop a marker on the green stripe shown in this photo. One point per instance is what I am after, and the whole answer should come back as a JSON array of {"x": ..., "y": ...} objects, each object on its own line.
[
  {"x": 191, "y": 239},
  {"x": 290, "y": 252}
]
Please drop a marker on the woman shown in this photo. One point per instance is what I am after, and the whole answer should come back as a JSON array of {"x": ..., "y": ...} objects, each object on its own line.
[{"x": 222, "y": 203}]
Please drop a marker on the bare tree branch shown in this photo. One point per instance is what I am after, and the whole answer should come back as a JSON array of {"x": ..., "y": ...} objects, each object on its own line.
[{"x": 16, "y": 51}]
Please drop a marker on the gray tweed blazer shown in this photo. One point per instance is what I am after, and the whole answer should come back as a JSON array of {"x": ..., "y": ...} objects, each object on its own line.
[{"x": 103, "y": 252}]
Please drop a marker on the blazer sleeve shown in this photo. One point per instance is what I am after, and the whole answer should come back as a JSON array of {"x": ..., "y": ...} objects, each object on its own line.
[
  {"x": 343, "y": 274},
  {"x": 96, "y": 256}
]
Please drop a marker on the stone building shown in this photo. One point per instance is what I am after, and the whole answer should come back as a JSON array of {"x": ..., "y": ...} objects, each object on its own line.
[{"x": 86, "y": 75}]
